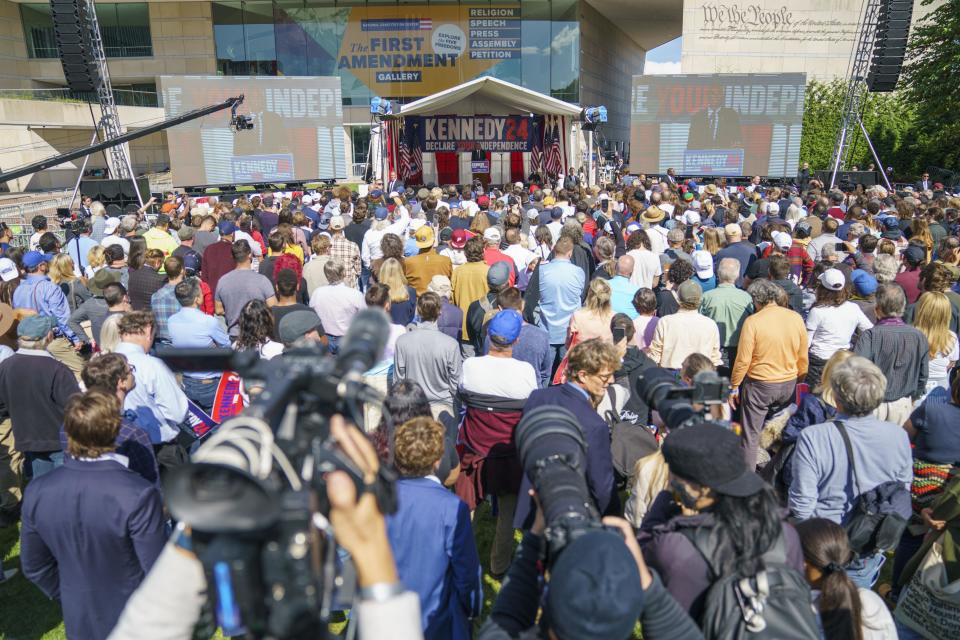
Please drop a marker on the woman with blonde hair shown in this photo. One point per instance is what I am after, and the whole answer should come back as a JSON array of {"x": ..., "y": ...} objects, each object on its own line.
[
  {"x": 403, "y": 297},
  {"x": 95, "y": 261},
  {"x": 712, "y": 240},
  {"x": 922, "y": 235},
  {"x": 62, "y": 273},
  {"x": 932, "y": 317},
  {"x": 109, "y": 336},
  {"x": 480, "y": 223},
  {"x": 593, "y": 319}
]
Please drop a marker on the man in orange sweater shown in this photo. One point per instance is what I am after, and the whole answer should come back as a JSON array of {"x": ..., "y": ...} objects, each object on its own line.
[{"x": 771, "y": 359}]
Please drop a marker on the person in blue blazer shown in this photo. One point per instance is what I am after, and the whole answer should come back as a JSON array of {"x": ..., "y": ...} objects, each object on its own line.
[
  {"x": 431, "y": 536},
  {"x": 92, "y": 528}
]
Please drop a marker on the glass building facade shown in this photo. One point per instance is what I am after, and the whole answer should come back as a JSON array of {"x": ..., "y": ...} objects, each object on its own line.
[
  {"x": 540, "y": 43},
  {"x": 125, "y": 28}
]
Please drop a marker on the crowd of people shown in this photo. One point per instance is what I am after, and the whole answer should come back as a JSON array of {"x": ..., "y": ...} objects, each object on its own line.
[{"x": 833, "y": 313}]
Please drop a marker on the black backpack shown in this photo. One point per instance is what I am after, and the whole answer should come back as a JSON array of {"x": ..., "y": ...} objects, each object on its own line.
[
  {"x": 773, "y": 604},
  {"x": 879, "y": 515},
  {"x": 628, "y": 442}
]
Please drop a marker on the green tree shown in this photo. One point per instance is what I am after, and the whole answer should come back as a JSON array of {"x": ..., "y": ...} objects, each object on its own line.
[
  {"x": 931, "y": 81},
  {"x": 887, "y": 117}
]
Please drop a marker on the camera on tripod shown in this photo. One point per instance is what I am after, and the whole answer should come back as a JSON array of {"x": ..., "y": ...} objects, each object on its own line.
[{"x": 255, "y": 494}]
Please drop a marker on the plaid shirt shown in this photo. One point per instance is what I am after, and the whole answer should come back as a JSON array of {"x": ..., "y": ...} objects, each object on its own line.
[
  {"x": 347, "y": 252},
  {"x": 134, "y": 443},
  {"x": 164, "y": 304}
]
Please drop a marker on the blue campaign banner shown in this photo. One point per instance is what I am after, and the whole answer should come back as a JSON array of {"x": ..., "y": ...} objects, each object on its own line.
[
  {"x": 480, "y": 166},
  {"x": 714, "y": 162},
  {"x": 497, "y": 134},
  {"x": 275, "y": 166}
]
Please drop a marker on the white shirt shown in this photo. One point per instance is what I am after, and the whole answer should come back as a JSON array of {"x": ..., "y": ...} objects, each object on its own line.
[
  {"x": 255, "y": 247},
  {"x": 156, "y": 393},
  {"x": 499, "y": 377},
  {"x": 123, "y": 242},
  {"x": 938, "y": 368},
  {"x": 370, "y": 245},
  {"x": 658, "y": 239},
  {"x": 829, "y": 329},
  {"x": 646, "y": 266},
  {"x": 521, "y": 256},
  {"x": 336, "y": 305}
]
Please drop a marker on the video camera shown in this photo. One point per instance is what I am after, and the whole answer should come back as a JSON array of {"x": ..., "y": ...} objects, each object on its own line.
[
  {"x": 659, "y": 389},
  {"x": 553, "y": 454},
  {"x": 255, "y": 494}
]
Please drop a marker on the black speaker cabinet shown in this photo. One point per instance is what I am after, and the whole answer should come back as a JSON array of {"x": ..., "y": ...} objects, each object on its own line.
[
  {"x": 72, "y": 30},
  {"x": 116, "y": 192}
]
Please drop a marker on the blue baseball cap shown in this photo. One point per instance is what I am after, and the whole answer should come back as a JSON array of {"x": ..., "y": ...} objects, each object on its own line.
[
  {"x": 376, "y": 194},
  {"x": 227, "y": 228},
  {"x": 33, "y": 259},
  {"x": 504, "y": 328},
  {"x": 863, "y": 283},
  {"x": 381, "y": 213}
]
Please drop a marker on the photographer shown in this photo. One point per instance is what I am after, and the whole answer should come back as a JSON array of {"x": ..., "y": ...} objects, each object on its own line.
[
  {"x": 712, "y": 490},
  {"x": 591, "y": 368},
  {"x": 167, "y": 605},
  {"x": 599, "y": 588}
]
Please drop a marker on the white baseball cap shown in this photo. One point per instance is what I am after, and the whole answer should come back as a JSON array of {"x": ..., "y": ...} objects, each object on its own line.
[
  {"x": 833, "y": 279},
  {"x": 8, "y": 270},
  {"x": 691, "y": 217},
  {"x": 518, "y": 185},
  {"x": 492, "y": 234},
  {"x": 533, "y": 214},
  {"x": 394, "y": 194},
  {"x": 110, "y": 225},
  {"x": 703, "y": 264},
  {"x": 782, "y": 239},
  {"x": 306, "y": 199},
  {"x": 773, "y": 208}
]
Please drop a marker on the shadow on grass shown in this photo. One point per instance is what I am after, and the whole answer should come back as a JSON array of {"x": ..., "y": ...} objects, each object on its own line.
[{"x": 25, "y": 613}]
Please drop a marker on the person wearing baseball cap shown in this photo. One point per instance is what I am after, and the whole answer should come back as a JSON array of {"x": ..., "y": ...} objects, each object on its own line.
[
  {"x": 718, "y": 498},
  {"x": 832, "y": 322},
  {"x": 34, "y": 390},
  {"x": 914, "y": 257},
  {"x": 686, "y": 331},
  {"x": 427, "y": 263},
  {"x": 300, "y": 325},
  {"x": 492, "y": 253},
  {"x": 496, "y": 380},
  {"x": 703, "y": 267},
  {"x": 37, "y": 292},
  {"x": 498, "y": 279}
]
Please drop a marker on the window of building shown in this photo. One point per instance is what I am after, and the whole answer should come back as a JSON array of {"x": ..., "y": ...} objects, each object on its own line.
[
  {"x": 245, "y": 39},
  {"x": 360, "y": 137},
  {"x": 124, "y": 27}
]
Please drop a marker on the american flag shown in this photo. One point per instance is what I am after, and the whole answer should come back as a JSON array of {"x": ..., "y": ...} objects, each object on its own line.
[
  {"x": 426, "y": 24},
  {"x": 551, "y": 143},
  {"x": 406, "y": 158},
  {"x": 536, "y": 151}
]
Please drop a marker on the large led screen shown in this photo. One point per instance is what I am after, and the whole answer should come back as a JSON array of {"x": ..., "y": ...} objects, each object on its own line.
[
  {"x": 717, "y": 125},
  {"x": 297, "y": 130}
]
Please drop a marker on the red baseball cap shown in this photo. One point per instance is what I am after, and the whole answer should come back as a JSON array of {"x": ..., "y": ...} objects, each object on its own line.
[{"x": 458, "y": 240}]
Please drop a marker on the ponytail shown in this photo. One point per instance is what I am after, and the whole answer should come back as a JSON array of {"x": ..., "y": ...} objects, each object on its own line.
[{"x": 826, "y": 547}]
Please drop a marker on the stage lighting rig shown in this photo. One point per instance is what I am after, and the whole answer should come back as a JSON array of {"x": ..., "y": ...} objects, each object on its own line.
[{"x": 380, "y": 107}]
